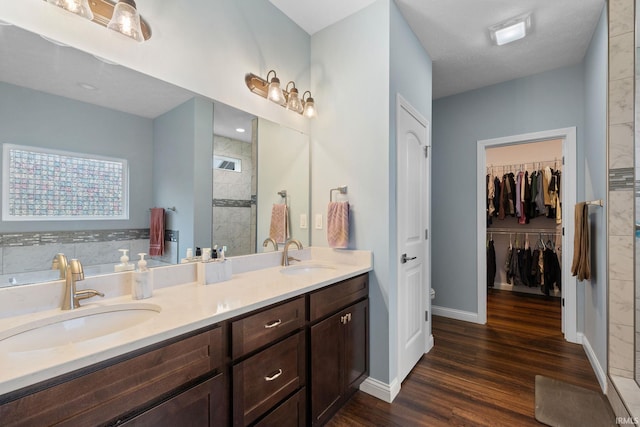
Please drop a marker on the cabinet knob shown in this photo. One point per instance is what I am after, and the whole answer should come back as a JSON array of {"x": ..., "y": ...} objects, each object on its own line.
[
  {"x": 274, "y": 376},
  {"x": 273, "y": 324}
]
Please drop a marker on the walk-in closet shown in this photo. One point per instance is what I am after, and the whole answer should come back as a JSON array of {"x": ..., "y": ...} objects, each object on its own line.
[{"x": 524, "y": 217}]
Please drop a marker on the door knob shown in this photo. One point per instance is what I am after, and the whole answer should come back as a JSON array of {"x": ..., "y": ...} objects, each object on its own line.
[{"x": 404, "y": 258}]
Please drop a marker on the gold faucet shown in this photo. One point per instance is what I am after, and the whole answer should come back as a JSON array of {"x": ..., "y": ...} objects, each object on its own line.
[
  {"x": 75, "y": 273},
  {"x": 273, "y": 242},
  {"x": 285, "y": 253},
  {"x": 60, "y": 263}
]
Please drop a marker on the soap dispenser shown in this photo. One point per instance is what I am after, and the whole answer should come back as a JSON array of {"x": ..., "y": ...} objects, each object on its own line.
[
  {"x": 142, "y": 286},
  {"x": 124, "y": 262}
]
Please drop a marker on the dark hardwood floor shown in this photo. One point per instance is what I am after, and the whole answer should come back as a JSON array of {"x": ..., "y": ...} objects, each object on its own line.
[{"x": 481, "y": 375}]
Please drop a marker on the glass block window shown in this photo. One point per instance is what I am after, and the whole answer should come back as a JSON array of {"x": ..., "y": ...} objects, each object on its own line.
[{"x": 41, "y": 184}]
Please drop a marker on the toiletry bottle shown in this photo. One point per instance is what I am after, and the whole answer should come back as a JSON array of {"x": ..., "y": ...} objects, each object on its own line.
[
  {"x": 124, "y": 262},
  {"x": 142, "y": 285},
  {"x": 214, "y": 252}
]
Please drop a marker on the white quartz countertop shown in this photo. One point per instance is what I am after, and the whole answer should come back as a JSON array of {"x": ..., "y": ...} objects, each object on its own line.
[{"x": 184, "y": 308}]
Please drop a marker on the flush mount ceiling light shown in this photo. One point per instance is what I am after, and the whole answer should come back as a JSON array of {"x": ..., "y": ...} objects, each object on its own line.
[
  {"x": 287, "y": 98},
  {"x": 510, "y": 30},
  {"x": 122, "y": 17}
]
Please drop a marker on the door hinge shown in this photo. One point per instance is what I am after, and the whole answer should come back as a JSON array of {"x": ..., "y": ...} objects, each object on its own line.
[
  {"x": 562, "y": 160},
  {"x": 563, "y": 231},
  {"x": 426, "y": 316},
  {"x": 426, "y": 234},
  {"x": 563, "y": 302},
  {"x": 426, "y": 151}
]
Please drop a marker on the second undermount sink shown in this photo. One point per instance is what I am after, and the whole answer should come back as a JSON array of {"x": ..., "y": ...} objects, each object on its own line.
[
  {"x": 75, "y": 326},
  {"x": 301, "y": 269}
]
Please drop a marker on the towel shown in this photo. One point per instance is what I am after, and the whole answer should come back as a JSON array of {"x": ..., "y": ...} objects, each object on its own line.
[
  {"x": 156, "y": 232},
  {"x": 338, "y": 224},
  {"x": 279, "y": 229},
  {"x": 580, "y": 266}
]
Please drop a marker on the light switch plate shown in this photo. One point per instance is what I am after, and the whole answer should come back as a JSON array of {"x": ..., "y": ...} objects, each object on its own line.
[
  {"x": 318, "y": 221},
  {"x": 303, "y": 221}
]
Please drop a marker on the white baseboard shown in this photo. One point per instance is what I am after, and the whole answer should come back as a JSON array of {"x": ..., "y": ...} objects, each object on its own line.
[
  {"x": 429, "y": 344},
  {"x": 452, "y": 313},
  {"x": 595, "y": 364},
  {"x": 383, "y": 391}
]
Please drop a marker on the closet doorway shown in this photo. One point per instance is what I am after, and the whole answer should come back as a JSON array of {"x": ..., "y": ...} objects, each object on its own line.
[{"x": 555, "y": 149}]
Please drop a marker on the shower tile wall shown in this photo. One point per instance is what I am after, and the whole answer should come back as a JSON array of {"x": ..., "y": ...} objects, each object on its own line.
[
  {"x": 234, "y": 198},
  {"x": 621, "y": 188}
]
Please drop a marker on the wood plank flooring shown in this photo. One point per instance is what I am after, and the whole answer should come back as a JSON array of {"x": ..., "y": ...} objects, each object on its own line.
[{"x": 481, "y": 375}]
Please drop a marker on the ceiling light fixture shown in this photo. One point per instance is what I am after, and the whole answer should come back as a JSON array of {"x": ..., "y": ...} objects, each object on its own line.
[
  {"x": 287, "y": 98},
  {"x": 511, "y": 30},
  {"x": 122, "y": 17},
  {"x": 240, "y": 130}
]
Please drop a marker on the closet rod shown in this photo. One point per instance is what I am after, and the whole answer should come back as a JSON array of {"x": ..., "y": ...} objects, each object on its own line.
[
  {"x": 508, "y": 165},
  {"x": 524, "y": 231}
]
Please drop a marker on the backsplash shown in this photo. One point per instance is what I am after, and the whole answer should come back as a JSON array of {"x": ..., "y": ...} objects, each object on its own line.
[{"x": 33, "y": 251}]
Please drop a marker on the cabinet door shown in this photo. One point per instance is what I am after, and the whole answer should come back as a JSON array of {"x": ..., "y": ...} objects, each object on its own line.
[
  {"x": 199, "y": 406},
  {"x": 291, "y": 413},
  {"x": 326, "y": 366},
  {"x": 356, "y": 346}
]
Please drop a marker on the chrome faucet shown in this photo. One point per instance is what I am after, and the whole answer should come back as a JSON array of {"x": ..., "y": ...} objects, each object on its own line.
[
  {"x": 72, "y": 297},
  {"x": 285, "y": 253},
  {"x": 60, "y": 263},
  {"x": 273, "y": 242}
]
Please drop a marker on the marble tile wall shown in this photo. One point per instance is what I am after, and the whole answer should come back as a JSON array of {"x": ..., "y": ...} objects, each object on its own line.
[{"x": 621, "y": 232}]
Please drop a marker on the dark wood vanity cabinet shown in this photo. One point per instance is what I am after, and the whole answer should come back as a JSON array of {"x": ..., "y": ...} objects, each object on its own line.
[
  {"x": 338, "y": 351},
  {"x": 166, "y": 381}
]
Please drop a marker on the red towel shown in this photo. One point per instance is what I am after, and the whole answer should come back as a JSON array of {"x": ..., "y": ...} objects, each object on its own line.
[
  {"x": 156, "y": 232},
  {"x": 279, "y": 229}
]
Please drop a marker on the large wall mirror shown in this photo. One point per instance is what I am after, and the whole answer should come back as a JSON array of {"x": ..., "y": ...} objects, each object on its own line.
[
  {"x": 637, "y": 193},
  {"x": 55, "y": 97}
]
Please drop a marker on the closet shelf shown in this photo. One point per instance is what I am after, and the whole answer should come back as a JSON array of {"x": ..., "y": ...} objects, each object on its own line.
[{"x": 524, "y": 231}]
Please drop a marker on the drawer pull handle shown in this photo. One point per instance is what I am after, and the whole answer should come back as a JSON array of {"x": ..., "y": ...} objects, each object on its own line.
[
  {"x": 273, "y": 324},
  {"x": 274, "y": 376}
]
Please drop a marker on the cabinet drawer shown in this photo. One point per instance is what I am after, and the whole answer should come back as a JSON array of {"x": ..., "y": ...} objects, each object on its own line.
[
  {"x": 101, "y": 395},
  {"x": 257, "y": 330},
  {"x": 329, "y": 300},
  {"x": 291, "y": 413},
  {"x": 198, "y": 406},
  {"x": 263, "y": 380}
]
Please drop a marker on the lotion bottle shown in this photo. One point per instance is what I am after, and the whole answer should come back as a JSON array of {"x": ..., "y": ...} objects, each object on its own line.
[{"x": 142, "y": 285}]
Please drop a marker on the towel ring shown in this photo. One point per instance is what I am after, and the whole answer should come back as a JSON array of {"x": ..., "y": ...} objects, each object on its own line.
[{"x": 342, "y": 190}]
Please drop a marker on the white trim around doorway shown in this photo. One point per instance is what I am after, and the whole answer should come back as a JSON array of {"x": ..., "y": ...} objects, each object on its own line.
[{"x": 568, "y": 194}]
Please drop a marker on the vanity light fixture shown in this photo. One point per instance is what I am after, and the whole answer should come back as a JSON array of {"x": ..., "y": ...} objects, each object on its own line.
[
  {"x": 126, "y": 20},
  {"x": 122, "y": 16},
  {"x": 287, "y": 98},
  {"x": 79, "y": 7},
  {"x": 510, "y": 30}
]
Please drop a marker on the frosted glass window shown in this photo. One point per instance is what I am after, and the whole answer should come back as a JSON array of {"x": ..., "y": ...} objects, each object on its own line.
[{"x": 40, "y": 184}]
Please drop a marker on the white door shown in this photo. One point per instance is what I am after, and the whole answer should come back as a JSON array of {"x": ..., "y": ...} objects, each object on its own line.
[{"x": 412, "y": 220}]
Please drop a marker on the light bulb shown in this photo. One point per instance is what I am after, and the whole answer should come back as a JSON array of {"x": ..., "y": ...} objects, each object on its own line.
[{"x": 309, "y": 108}]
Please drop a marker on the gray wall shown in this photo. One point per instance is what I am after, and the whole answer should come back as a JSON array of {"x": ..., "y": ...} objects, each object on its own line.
[
  {"x": 594, "y": 186},
  {"x": 549, "y": 100},
  {"x": 29, "y": 117},
  {"x": 182, "y": 174}
]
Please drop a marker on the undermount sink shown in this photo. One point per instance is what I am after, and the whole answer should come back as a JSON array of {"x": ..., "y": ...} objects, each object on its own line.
[
  {"x": 75, "y": 326},
  {"x": 301, "y": 269}
]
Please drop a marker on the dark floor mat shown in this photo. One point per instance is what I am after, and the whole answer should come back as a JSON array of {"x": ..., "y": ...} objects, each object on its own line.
[{"x": 560, "y": 404}]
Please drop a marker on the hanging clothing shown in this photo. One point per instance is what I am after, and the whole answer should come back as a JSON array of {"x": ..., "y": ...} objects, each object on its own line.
[
  {"x": 491, "y": 264},
  {"x": 552, "y": 272}
]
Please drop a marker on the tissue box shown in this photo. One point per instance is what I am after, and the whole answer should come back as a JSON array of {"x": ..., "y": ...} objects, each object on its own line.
[{"x": 214, "y": 271}]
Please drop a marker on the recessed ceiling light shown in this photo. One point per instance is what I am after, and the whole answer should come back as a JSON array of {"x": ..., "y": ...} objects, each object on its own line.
[
  {"x": 240, "y": 130},
  {"x": 510, "y": 30},
  {"x": 87, "y": 86}
]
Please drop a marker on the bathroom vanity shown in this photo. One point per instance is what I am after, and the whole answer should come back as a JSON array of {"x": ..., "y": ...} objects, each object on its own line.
[{"x": 269, "y": 347}]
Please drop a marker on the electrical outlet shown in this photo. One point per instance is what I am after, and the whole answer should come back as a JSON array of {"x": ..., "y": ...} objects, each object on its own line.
[
  {"x": 318, "y": 221},
  {"x": 303, "y": 221}
]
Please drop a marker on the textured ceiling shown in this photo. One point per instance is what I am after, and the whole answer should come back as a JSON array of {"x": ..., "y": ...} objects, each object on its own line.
[{"x": 454, "y": 33}]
